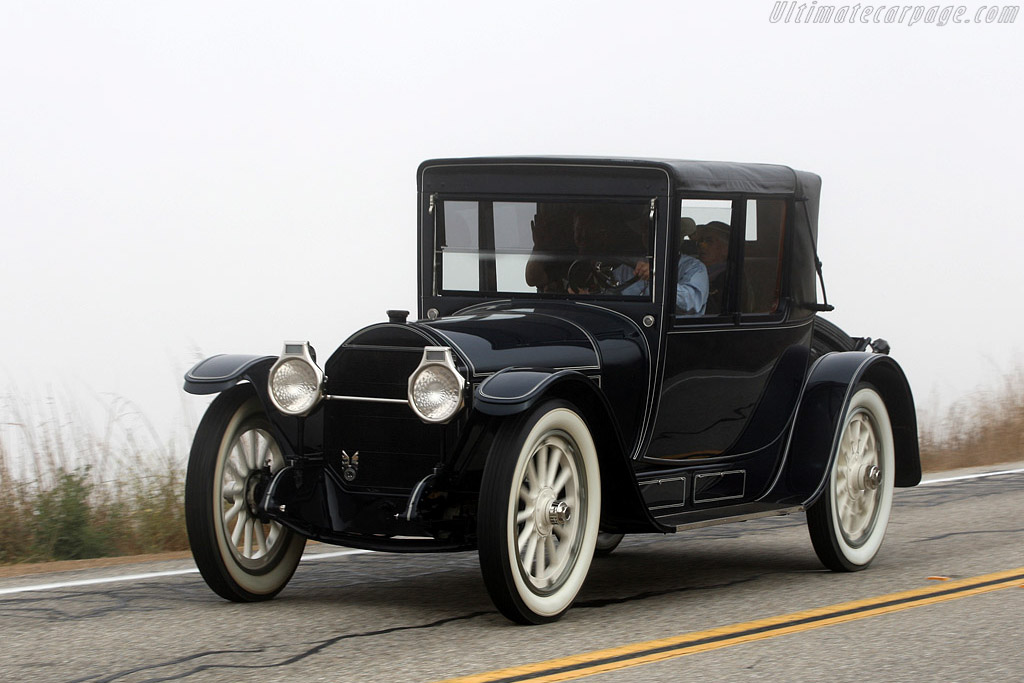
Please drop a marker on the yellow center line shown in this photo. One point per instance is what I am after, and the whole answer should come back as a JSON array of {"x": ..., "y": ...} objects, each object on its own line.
[{"x": 600, "y": 661}]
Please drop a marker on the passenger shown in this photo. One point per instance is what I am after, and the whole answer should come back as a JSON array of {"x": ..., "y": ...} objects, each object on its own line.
[
  {"x": 713, "y": 250},
  {"x": 692, "y": 287}
]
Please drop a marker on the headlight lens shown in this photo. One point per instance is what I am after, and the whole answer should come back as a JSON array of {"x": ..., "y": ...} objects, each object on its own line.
[
  {"x": 294, "y": 386},
  {"x": 435, "y": 389}
]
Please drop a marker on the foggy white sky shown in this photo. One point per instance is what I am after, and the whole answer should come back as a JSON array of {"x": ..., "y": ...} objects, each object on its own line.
[{"x": 188, "y": 178}]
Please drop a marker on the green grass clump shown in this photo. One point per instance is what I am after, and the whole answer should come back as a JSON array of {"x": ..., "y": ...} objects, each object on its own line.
[
  {"x": 71, "y": 491},
  {"x": 75, "y": 517}
]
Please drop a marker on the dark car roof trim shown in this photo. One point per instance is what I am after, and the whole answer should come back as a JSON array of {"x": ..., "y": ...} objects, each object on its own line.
[{"x": 685, "y": 175}]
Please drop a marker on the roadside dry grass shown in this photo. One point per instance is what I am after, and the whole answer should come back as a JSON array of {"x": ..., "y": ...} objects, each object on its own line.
[
  {"x": 70, "y": 489},
  {"x": 79, "y": 492},
  {"x": 984, "y": 428}
]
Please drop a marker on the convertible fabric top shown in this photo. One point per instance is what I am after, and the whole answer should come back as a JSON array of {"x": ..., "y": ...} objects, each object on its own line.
[{"x": 685, "y": 176}]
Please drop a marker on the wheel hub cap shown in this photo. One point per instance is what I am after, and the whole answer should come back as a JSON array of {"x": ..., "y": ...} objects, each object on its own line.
[
  {"x": 559, "y": 513},
  {"x": 871, "y": 477}
]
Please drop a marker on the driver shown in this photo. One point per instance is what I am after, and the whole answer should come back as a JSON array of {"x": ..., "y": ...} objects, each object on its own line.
[
  {"x": 599, "y": 245},
  {"x": 595, "y": 236}
]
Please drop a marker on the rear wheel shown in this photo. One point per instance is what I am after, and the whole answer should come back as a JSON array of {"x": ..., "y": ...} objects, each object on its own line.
[
  {"x": 607, "y": 542},
  {"x": 234, "y": 455},
  {"x": 540, "y": 507},
  {"x": 827, "y": 337},
  {"x": 847, "y": 523}
]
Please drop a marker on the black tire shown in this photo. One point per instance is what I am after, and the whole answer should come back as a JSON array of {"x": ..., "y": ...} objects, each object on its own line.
[
  {"x": 533, "y": 556},
  {"x": 233, "y": 456},
  {"x": 847, "y": 523},
  {"x": 827, "y": 337},
  {"x": 606, "y": 543}
]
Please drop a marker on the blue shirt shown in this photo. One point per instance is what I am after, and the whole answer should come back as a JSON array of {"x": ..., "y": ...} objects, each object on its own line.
[{"x": 691, "y": 289}]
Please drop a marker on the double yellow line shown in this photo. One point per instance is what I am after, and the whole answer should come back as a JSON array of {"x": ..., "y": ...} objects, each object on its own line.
[{"x": 600, "y": 661}]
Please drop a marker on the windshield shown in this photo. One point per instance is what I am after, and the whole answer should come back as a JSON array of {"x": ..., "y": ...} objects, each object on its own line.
[{"x": 520, "y": 247}]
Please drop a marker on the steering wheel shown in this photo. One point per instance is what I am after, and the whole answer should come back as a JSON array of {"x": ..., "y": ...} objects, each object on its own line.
[{"x": 593, "y": 276}]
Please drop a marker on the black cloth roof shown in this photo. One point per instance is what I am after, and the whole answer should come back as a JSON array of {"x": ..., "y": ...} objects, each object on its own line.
[{"x": 685, "y": 176}]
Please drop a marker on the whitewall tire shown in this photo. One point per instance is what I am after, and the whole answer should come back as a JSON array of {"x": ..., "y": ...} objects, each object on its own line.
[
  {"x": 539, "y": 514},
  {"x": 847, "y": 523},
  {"x": 234, "y": 454}
]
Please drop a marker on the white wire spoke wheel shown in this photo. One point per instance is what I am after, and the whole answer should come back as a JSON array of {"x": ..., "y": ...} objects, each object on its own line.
[
  {"x": 848, "y": 522},
  {"x": 540, "y": 507},
  {"x": 234, "y": 455}
]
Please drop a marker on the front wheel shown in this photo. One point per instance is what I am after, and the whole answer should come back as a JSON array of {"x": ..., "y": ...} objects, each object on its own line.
[
  {"x": 540, "y": 508},
  {"x": 234, "y": 454},
  {"x": 847, "y": 523}
]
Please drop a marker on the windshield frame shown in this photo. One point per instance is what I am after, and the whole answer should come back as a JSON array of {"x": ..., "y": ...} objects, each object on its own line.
[{"x": 483, "y": 241}]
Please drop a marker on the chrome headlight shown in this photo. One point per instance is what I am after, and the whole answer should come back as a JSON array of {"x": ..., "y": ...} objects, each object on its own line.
[
  {"x": 295, "y": 383},
  {"x": 435, "y": 388}
]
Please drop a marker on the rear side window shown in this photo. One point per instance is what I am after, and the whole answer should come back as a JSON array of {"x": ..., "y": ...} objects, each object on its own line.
[
  {"x": 765, "y": 228},
  {"x": 740, "y": 244}
]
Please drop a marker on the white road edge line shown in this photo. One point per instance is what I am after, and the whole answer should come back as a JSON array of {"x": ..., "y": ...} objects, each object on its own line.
[
  {"x": 313, "y": 557},
  {"x": 341, "y": 553},
  {"x": 969, "y": 476}
]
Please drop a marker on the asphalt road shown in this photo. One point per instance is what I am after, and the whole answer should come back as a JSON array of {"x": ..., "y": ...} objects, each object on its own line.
[{"x": 375, "y": 617}]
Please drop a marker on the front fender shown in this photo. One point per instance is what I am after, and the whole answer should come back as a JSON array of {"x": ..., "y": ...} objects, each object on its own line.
[
  {"x": 223, "y": 371},
  {"x": 818, "y": 424},
  {"x": 513, "y": 390}
]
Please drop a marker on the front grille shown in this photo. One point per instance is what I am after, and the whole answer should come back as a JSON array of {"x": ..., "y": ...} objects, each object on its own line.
[{"x": 395, "y": 449}]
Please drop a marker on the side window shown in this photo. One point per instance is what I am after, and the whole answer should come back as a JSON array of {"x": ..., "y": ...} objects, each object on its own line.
[
  {"x": 761, "y": 289},
  {"x": 705, "y": 236}
]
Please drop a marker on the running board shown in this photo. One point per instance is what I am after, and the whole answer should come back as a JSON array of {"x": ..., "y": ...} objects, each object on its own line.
[{"x": 740, "y": 518}]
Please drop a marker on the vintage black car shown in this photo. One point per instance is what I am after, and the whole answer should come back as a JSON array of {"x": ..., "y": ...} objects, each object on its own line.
[{"x": 602, "y": 347}]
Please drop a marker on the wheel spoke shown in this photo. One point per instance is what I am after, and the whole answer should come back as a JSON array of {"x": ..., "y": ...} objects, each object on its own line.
[
  {"x": 236, "y": 533},
  {"x": 542, "y": 465},
  {"x": 528, "y": 555},
  {"x": 275, "y": 532},
  {"x": 554, "y": 561},
  {"x": 554, "y": 460},
  {"x": 524, "y": 494},
  {"x": 264, "y": 452},
  {"x": 531, "y": 480},
  {"x": 247, "y": 545},
  {"x": 562, "y": 480},
  {"x": 540, "y": 560},
  {"x": 231, "y": 490},
  {"x": 236, "y": 455},
  {"x": 525, "y": 536},
  {"x": 233, "y": 512},
  {"x": 254, "y": 449},
  {"x": 523, "y": 515},
  {"x": 261, "y": 540}
]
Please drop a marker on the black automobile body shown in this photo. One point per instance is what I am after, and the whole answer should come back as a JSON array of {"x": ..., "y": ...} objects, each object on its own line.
[{"x": 564, "y": 382}]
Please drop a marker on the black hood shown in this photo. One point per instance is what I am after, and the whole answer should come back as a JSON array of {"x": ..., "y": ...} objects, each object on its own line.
[{"x": 495, "y": 339}]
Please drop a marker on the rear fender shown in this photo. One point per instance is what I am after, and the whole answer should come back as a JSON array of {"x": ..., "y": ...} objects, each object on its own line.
[{"x": 816, "y": 432}]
